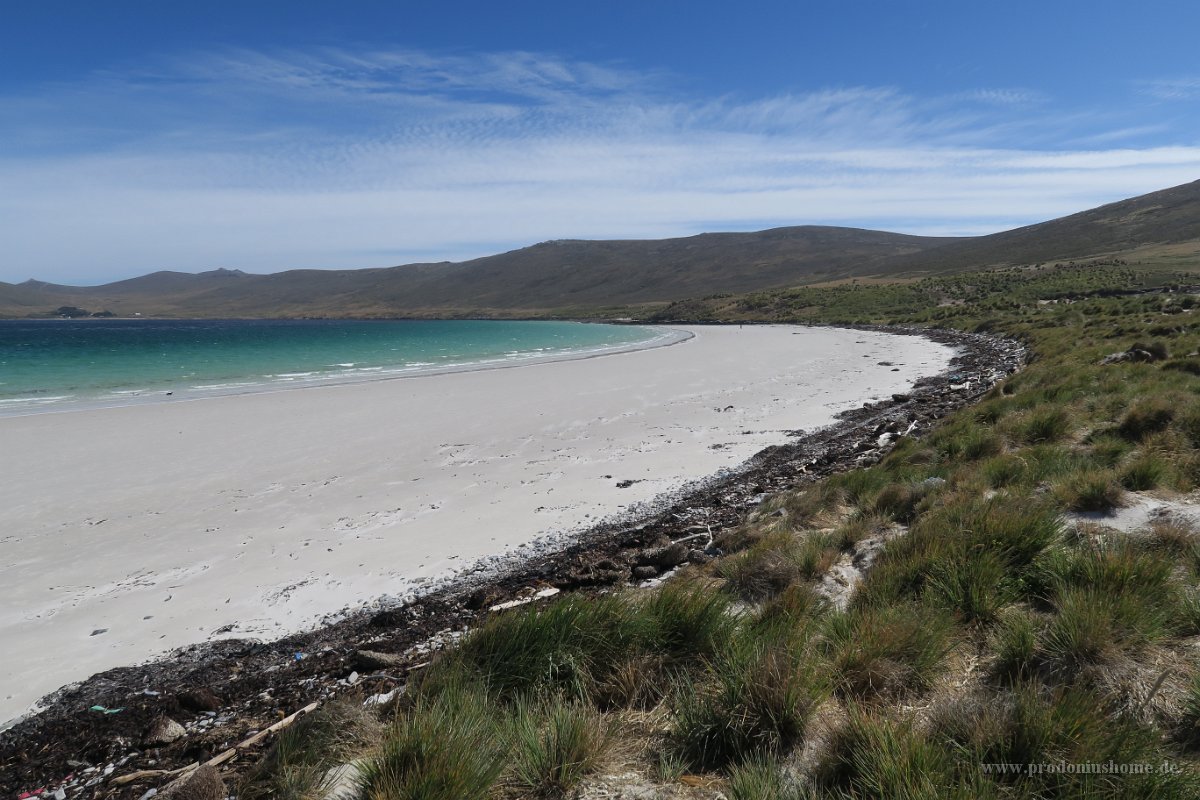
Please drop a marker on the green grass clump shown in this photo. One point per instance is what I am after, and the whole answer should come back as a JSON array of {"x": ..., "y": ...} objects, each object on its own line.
[
  {"x": 1093, "y": 491},
  {"x": 788, "y": 614},
  {"x": 1035, "y": 727},
  {"x": 1108, "y": 451},
  {"x": 556, "y": 745},
  {"x": 1014, "y": 641},
  {"x": 1113, "y": 566},
  {"x": 1190, "y": 366},
  {"x": 578, "y": 645},
  {"x": 686, "y": 623},
  {"x": 1144, "y": 473},
  {"x": 568, "y": 646},
  {"x": 969, "y": 444},
  {"x": 1178, "y": 536},
  {"x": 756, "y": 702},
  {"x": 873, "y": 756},
  {"x": 1189, "y": 724},
  {"x": 1144, "y": 418},
  {"x": 762, "y": 779},
  {"x": 1045, "y": 425},
  {"x": 1002, "y": 471},
  {"x": 948, "y": 544},
  {"x": 888, "y": 652},
  {"x": 1109, "y": 599},
  {"x": 1189, "y": 424},
  {"x": 900, "y": 501},
  {"x": 975, "y": 586},
  {"x": 447, "y": 747},
  {"x": 855, "y": 487},
  {"x": 764, "y": 569},
  {"x": 1094, "y": 627}
]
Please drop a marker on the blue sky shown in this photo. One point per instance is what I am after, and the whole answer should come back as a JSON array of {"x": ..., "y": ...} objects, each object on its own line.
[{"x": 137, "y": 136}]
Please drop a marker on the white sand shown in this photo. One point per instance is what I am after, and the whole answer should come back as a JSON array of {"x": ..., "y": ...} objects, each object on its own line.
[{"x": 164, "y": 524}]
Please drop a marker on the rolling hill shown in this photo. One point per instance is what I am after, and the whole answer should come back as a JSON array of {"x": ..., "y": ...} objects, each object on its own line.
[{"x": 568, "y": 274}]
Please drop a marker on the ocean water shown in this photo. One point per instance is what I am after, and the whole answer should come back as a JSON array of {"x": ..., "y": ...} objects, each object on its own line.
[{"x": 56, "y": 364}]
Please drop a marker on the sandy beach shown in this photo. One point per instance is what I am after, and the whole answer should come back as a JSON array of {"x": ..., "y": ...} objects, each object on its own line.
[{"x": 126, "y": 532}]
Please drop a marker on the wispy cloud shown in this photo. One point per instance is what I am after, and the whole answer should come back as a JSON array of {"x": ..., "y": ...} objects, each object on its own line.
[
  {"x": 1183, "y": 88},
  {"x": 1003, "y": 97},
  {"x": 335, "y": 158}
]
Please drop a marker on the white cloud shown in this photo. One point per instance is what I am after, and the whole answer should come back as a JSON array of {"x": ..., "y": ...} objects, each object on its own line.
[
  {"x": 334, "y": 159},
  {"x": 1185, "y": 88}
]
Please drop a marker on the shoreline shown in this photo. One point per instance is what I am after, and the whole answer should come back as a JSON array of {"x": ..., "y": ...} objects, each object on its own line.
[
  {"x": 147, "y": 397},
  {"x": 568, "y": 563},
  {"x": 263, "y": 514}
]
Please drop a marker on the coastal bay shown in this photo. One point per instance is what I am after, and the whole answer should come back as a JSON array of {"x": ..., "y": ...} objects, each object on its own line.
[{"x": 259, "y": 514}]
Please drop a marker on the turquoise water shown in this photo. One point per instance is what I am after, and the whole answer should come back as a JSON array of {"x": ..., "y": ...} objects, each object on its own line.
[{"x": 49, "y": 364}]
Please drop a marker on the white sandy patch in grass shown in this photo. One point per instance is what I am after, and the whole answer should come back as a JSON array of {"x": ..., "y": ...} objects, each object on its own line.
[{"x": 254, "y": 515}]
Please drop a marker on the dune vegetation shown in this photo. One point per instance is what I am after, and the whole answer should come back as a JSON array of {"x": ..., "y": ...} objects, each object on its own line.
[{"x": 1009, "y": 638}]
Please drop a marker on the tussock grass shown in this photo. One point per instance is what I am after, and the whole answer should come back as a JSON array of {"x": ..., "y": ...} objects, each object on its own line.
[
  {"x": 1189, "y": 425},
  {"x": 1003, "y": 471},
  {"x": 556, "y": 745},
  {"x": 1110, "y": 599},
  {"x": 1189, "y": 726},
  {"x": 448, "y": 747},
  {"x": 1048, "y": 462},
  {"x": 900, "y": 501},
  {"x": 1146, "y": 417},
  {"x": 1094, "y": 491},
  {"x": 592, "y": 647},
  {"x": 1045, "y": 425},
  {"x": 975, "y": 587},
  {"x": 687, "y": 623},
  {"x": 1032, "y": 725},
  {"x": 1146, "y": 472},
  {"x": 886, "y": 652},
  {"x": 568, "y": 646},
  {"x": 873, "y": 756},
  {"x": 790, "y": 613},
  {"x": 757, "y": 702},
  {"x": 762, "y": 779},
  {"x": 856, "y": 487},
  {"x": 1093, "y": 627},
  {"x": 1114, "y": 565},
  {"x": 1107, "y": 451},
  {"x": 968, "y": 444},
  {"x": 949, "y": 544},
  {"x": 764, "y": 569},
  {"x": 1014, "y": 641},
  {"x": 1176, "y": 535}
]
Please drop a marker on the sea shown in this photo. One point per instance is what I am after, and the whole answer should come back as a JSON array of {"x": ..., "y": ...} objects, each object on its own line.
[{"x": 49, "y": 365}]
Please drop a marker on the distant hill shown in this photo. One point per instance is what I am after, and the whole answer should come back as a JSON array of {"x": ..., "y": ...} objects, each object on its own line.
[
  {"x": 1167, "y": 217},
  {"x": 576, "y": 273},
  {"x": 547, "y": 275}
]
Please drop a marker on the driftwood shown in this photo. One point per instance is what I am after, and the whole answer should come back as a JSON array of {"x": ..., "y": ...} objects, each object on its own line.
[{"x": 221, "y": 757}]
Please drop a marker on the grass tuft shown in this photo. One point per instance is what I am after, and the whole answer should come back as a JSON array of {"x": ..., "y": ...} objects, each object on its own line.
[
  {"x": 757, "y": 703},
  {"x": 1144, "y": 418},
  {"x": 556, "y": 745},
  {"x": 761, "y": 779},
  {"x": 1094, "y": 491},
  {"x": 886, "y": 651},
  {"x": 763, "y": 570},
  {"x": 1144, "y": 473},
  {"x": 1045, "y": 425},
  {"x": 445, "y": 748}
]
